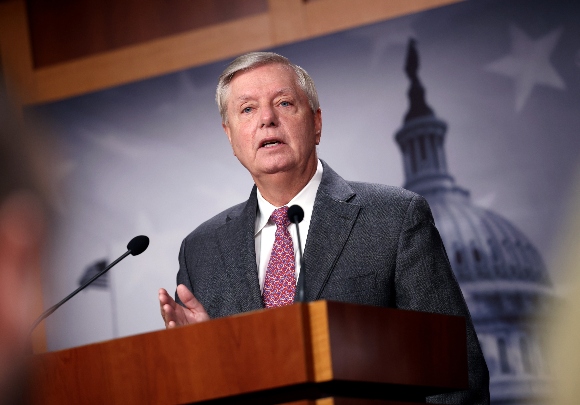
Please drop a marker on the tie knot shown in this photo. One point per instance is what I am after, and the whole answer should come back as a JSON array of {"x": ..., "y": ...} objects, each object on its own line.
[{"x": 280, "y": 217}]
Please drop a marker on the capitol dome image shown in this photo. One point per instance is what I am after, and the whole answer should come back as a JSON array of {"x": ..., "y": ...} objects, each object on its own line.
[{"x": 501, "y": 273}]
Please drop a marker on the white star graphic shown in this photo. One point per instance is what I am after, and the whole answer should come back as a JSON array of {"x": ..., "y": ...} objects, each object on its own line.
[{"x": 529, "y": 64}]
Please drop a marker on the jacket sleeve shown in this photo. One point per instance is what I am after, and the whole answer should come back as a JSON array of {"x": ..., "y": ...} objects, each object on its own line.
[
  {"x": 183, "y": 273},
  {"x": 425, "y": 282}
]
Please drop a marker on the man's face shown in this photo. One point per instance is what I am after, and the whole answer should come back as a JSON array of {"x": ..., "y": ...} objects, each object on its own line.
[{"x": 271, "y": 126}]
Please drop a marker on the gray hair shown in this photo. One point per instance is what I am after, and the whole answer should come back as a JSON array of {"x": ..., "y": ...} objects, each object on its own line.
[{"x": 253, "y": 60}]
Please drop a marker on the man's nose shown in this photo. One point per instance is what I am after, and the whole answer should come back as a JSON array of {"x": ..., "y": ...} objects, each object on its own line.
[{"x": 268, "y": 117}]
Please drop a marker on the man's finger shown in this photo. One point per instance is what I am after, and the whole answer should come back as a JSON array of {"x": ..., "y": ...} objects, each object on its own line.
[
  {"x": 170, "y": 313},
  {"x": 188, "y": 299},
  {"x": 168, "y": 308},
  {"x": 197, "y": 312},
  {"x": 164, "y": 299}
]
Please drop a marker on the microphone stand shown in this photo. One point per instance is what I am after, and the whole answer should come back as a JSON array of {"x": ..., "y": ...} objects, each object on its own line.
[
  {"x": 301, "y": 276},
  {"x": 50, "y": 310},
  {"x": 296, "y": 215}
]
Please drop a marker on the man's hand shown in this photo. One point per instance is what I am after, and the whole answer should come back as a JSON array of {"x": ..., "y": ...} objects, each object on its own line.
[{"x": 176, "y": 315}]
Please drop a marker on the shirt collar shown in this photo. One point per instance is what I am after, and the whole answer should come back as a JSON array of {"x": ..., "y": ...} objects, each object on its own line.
[{"x": 305, "y": 199}]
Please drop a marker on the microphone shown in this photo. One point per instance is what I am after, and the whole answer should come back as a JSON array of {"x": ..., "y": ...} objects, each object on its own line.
[
  {"x": 138, "y": 244},
  {"x": 296, "y": 215},
  {"x": 135, "y": 247}
]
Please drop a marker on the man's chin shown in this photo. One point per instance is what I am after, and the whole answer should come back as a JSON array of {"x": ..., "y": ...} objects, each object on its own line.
[
  {"x": 281, "y": 166},
  {"x": 276, "y": 170},
  {"x": 275, "y": 166}
]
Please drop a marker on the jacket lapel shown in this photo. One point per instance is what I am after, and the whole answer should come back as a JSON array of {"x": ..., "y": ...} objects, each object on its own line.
[
  {"x": 236, "y": 241},
  {"x": 332, "y": 220},
  {"x": 333, "y": 217}
]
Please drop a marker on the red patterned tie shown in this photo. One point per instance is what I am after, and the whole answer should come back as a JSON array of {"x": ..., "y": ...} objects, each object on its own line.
[{"x": 280, "y": 282}]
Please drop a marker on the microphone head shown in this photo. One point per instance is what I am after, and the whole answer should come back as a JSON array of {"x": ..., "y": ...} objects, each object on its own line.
[
  {"x": 138, "y": 244},
  {"x": 295, "y": 214}
]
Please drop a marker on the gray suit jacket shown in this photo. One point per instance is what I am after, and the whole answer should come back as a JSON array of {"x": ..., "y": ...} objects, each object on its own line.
[{"x": 367, "y": 244}]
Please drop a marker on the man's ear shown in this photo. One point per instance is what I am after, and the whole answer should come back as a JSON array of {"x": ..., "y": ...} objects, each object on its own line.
[
  {"x": 228, "y": 132},
  {"x": 318, "y": 125}
]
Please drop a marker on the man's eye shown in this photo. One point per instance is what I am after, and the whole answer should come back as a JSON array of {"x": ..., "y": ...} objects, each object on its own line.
[
  {"x": 285, "y": 103},
  {"x": 247, "y": 110}
]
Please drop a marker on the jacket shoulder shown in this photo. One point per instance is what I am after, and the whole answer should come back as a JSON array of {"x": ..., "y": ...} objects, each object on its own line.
[
  {"x": 211, "y": 225},
  {"x": 381, "y": 193}
]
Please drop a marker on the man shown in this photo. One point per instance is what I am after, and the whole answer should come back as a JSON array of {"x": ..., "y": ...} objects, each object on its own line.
[
  {"x": 21, "y": 240},
  {"x": 364, "y": 243}
]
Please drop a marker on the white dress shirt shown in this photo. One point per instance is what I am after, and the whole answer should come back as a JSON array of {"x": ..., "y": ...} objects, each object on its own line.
[{"x": 265, "y": 229}]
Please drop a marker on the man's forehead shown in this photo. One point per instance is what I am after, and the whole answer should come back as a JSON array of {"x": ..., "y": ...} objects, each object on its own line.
[{"x": 258, "y": 91}]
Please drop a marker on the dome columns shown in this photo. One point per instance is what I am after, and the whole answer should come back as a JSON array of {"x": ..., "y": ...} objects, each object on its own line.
[{"x": 421, "y": 141}]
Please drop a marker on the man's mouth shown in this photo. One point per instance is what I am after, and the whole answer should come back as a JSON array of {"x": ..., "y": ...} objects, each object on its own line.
[{"x": 270, "y": 143}]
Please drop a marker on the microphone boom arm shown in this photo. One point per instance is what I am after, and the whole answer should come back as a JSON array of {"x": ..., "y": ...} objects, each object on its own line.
[
  {"x": 50, "y": 310},
  {"x": 296, "y": 215},
  {"x": 301, "y": 276}
]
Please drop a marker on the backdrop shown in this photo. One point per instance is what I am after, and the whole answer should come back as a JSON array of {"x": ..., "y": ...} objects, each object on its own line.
[{"x": 151, "y": 157}]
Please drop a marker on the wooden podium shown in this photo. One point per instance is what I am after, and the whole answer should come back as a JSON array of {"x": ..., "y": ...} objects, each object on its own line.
[{"x": 317, "y": 353}]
